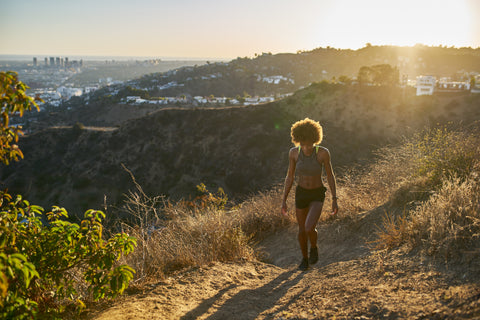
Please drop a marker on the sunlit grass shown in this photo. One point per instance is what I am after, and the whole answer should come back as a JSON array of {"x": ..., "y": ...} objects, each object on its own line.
[
  {"x": 441, "y": 196},
  {"x": 174, "y": 236}
]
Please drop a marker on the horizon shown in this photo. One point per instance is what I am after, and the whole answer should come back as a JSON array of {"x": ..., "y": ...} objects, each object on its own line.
[
  {"x": 225, "y": 30},
  {"x": 28, "y": 57}
]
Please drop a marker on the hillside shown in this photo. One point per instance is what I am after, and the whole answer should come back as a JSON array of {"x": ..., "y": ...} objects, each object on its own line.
[
  {"x": 250, "y": 75},
  {"x": 241, "y": 149}
]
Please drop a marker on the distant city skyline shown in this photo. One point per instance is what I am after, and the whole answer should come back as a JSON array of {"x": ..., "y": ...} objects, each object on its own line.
[
  {"x": 41, "y": 57},
  {"x": 226, "y": 29}
]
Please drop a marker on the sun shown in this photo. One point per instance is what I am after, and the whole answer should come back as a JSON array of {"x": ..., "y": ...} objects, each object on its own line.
[{"x": 351, "y": 24}]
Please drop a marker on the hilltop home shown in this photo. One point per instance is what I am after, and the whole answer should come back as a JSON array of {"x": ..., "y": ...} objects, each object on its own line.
[
  {"x": 257, "y": 100},
  {"x": 276, "y": 79},
  {"x": 67, "y": 93},
  {"x": 425, "y": 85},
  {"x": 131, "y": 99}
]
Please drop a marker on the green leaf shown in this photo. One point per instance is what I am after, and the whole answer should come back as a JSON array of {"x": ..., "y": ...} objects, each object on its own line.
[{"x": 10, "y": 272}]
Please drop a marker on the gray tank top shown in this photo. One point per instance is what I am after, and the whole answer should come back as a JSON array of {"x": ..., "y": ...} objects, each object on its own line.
[{"x": 308, "y": 166}]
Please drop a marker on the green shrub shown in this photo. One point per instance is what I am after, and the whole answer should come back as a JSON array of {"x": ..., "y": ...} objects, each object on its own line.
[
  {"x": 13, "y": 100},
  {"x": 77, "y": 128},
  {"x": 442, "y": 153},
  {"x": 43, "y": 265}
]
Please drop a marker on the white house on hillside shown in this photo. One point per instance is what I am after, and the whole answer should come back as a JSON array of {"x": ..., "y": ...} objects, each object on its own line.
[
  {"x": 447, "y": 85},
  {"x": 425, "y": 85}
]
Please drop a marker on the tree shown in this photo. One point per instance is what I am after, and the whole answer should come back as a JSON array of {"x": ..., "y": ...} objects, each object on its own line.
[
  {"x": 472, "y": 82},
  {"x": 381, "y": 74},
  {"x": 365, "y": 75},
  {"x": 13, "y": 100},
  {"x": 344, "y": 79},
  {"x": 386, "y": 75}
]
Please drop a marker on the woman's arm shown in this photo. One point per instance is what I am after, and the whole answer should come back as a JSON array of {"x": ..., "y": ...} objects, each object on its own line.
[
  {"x": 330, "y": 179},
  {"x": 292, "y": 162}
]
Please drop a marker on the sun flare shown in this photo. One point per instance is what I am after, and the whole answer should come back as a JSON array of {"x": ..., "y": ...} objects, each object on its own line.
[{"x": 397, "y": 23}]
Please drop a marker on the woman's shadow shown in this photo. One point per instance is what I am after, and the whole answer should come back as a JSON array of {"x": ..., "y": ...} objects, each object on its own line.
[{"x": 249, "y": 303}]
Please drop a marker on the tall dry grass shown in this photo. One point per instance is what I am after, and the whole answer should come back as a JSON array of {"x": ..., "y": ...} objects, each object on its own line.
[
  {"x": 172, "y": 236},
  {"x": 444, "y": 186},
  {"x": 366, "y": 187},
  {"x": 448, "y": 224}
]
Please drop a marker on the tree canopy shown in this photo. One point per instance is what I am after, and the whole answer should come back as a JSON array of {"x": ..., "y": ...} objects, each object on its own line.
[
  {"x": 13, "y": 100},
  {"x": 381, "y": 74}
]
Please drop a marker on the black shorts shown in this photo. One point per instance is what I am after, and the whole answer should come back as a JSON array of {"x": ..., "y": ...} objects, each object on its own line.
[{"x": 303, "y": 197}]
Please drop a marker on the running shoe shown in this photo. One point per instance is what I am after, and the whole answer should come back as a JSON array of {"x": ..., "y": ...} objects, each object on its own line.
[
  {"x": 313, "y": 255},
  {"x": 303, "y": 265}
]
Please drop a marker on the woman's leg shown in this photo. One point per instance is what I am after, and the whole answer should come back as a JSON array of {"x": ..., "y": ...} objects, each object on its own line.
[
  {"x": 311, "y": 221},
  {"x": 302, "y": 235}
]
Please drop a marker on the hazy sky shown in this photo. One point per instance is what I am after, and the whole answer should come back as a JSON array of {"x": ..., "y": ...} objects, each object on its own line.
[{"x": 229, "y": 28}]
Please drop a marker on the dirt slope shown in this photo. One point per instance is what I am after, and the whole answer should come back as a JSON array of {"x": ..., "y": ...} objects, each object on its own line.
[{"x": 349, "y": 282}]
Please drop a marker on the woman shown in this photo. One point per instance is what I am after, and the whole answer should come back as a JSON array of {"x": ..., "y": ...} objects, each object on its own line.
[{"x": 306, "y": 160}]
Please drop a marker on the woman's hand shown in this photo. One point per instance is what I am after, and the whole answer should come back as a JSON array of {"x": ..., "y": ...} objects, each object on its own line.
[
  {"x": 284, "y": 209},
  {"x": 334, "y": 207}
]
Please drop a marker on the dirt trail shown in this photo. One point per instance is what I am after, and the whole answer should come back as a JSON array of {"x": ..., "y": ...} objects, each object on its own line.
[{"x": 349, "y": 282}]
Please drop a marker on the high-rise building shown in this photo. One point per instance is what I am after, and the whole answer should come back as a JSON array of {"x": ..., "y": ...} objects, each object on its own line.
[
  {"x": 52, "y": 61},
  {"x": 46, "y": 62},
  {"x": 34, "y": 61},
  {"x": 57, "y": 62},
  {"x": 66, "y": 63}
]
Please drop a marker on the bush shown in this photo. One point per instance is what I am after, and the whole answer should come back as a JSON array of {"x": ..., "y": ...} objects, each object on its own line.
[
  {"x": 443, "y": 154},
  {"x": 13, "y": 100},
  {"x": 45, "y": 265},
  {"x": 77, "y": 128}
]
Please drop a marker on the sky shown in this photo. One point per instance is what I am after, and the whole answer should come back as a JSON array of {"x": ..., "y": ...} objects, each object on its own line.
[{"x": 227, "y": 29}]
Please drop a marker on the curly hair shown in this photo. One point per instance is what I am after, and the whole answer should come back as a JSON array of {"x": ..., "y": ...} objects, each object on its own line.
[{"x": 306, "y": 130}]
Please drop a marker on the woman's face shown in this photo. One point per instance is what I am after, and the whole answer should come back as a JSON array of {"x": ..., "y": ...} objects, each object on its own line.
[{"x": 306, "y": 146}]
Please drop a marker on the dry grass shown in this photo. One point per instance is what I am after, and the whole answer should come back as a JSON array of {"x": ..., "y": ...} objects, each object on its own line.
[
  {"x": 444, "y": 188},
  {"x": 189, "y": 241},
  {"x": 260, "y": 214},
  {"x": 449, "y": 222},
  {"x": 364, "y": 188},
  {"x": 173, "y": 236},
  {"x": 394, "y": 232}
]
